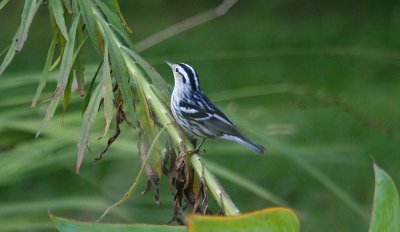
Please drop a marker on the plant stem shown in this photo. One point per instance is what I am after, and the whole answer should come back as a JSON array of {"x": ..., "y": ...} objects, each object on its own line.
[{"x": 218, "y": 192}]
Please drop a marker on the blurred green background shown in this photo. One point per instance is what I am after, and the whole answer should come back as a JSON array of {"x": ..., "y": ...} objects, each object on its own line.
[{"x": 317, "y": 82}]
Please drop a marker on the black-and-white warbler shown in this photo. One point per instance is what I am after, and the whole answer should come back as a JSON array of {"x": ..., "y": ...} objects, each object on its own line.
[{"x": 195, "y": 112}]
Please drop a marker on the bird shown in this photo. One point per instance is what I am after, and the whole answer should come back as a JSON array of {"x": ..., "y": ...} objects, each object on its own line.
[{"x": 194, "y": 112}]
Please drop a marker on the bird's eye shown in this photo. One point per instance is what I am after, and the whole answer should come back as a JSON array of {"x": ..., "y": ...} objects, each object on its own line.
[{"x": 176, "y": 70}]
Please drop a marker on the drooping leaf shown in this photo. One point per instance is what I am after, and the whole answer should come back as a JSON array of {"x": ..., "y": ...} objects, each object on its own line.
[
  {"x": 79, "y": 64},
  {"x": 87, "y": 7},
  {"x": 27, "y": 14},
  {"x": 90, "y": 89},
  {"x": 107, "y": 92},
  {"x": 3, "y": 3},
  {"x": 46, "y": 70},
  {"x": 386, "y": 209},
  {"x": 88, "y": 119},
  {"x": 114, "y": 21},
  {"x": 155, "y": 77},
  {"x": 68, "y": 91},
  {"x": 58, "y": 12},
  {"x": 121, "y": 16},
  {"x": 67, "y": 225},
  {"x": 9, "y": 57},
  {"x": 49, "y": 115},
  {"x": 29, "y": 11},
  {"x": 68, "y": 58},
  {"x": 118, "y": 67},
  {"x": 271, "y": 220},
  {"x": 68, "y": 6}
]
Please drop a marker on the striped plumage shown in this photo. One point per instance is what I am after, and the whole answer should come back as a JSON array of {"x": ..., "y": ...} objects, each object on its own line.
[{"x": 196, "y": 113}]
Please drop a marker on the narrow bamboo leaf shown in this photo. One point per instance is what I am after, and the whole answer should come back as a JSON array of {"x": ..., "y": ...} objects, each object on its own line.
[
  {"x": 156, "y": 78},
  {"x": 68, "y": 91},
  {"x": 90, "y": 89},
  {"x": 114, "y": 21},
  {"x": 386, "y": 209},
  {"x": 67, "y": 225},
  {"x": 46, "y": 70},
  {"x": 87, "y": 7},
  {"x": 121, "y": 16},
  {"x": 118, "y": 66},
  {"x": 271, "y": 220},
  {"x": 67, "y": 59},
  {"x": 3, "y": 3},
  {"x": 49, "y": 115},
  {"x": 107, "y": 92},
  {"x": 88, "y": 119},
  {"x": 58, "y": 12},
  {"x": 68, "y": 6},
  {"x": 29, "y": 11},
  {"x": 9, "y": 57},
  {"x": 79, "y": 64}
]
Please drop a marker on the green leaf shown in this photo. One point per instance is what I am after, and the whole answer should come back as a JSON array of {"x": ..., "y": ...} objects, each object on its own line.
[
  {"x": 9, "y": 57},
  {"x": 118, "y": 66},
  {"x": 3, "y": 3},
  {"x": 121, "y": 16},
  {"x": 66, "y": 225},
  {"x": 49, "y": 115},
  {"x": 386, "y": 209},
  {"x": 19, "y": 39},
  {"x": 79, "y": 64},
  {"x": 107, "y": 92},
  {"x": 88, "y": 119},
  {"x": 29, "y": 11},
  {"x": 90, "y": 89},
  {"x": 87, "y": 7},
  {"x": 68, "y": 5},
  {"x": 58, "y": 12},
  {"x": 271, "y": 220},
  {"x": 67, "y": 59},
  {"x": 67, "y": 92},
  {"x": 46, "y": 69}
]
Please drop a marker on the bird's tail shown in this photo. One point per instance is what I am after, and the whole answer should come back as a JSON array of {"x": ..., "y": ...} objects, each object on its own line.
[{"x": 260, "y": 149}]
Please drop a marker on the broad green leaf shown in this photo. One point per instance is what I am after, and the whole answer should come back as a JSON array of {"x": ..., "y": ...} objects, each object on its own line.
[
  {"x": 29, "y": 11},
  {"x": 271, "y": 220},
  {"x": 107, "y": 92},
  {"x": 46, "y": 69},
  {"x": 67, "y": 225},
  {"x": 88, "y": 119},
  {"x": 58, "y": 12},
  {"x": 68, "y": 58},
  {"x": 386, "y": 209}
]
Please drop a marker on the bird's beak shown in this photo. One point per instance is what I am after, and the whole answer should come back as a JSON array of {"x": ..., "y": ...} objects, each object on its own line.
[{"x": 169, "y": 63}]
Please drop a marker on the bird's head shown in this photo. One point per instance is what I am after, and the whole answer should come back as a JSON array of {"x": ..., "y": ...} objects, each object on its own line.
[{"x": 186, "y": 77}]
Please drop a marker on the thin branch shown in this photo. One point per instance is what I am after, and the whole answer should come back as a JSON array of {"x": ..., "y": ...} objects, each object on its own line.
[{"x": 184, "y": 25}]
